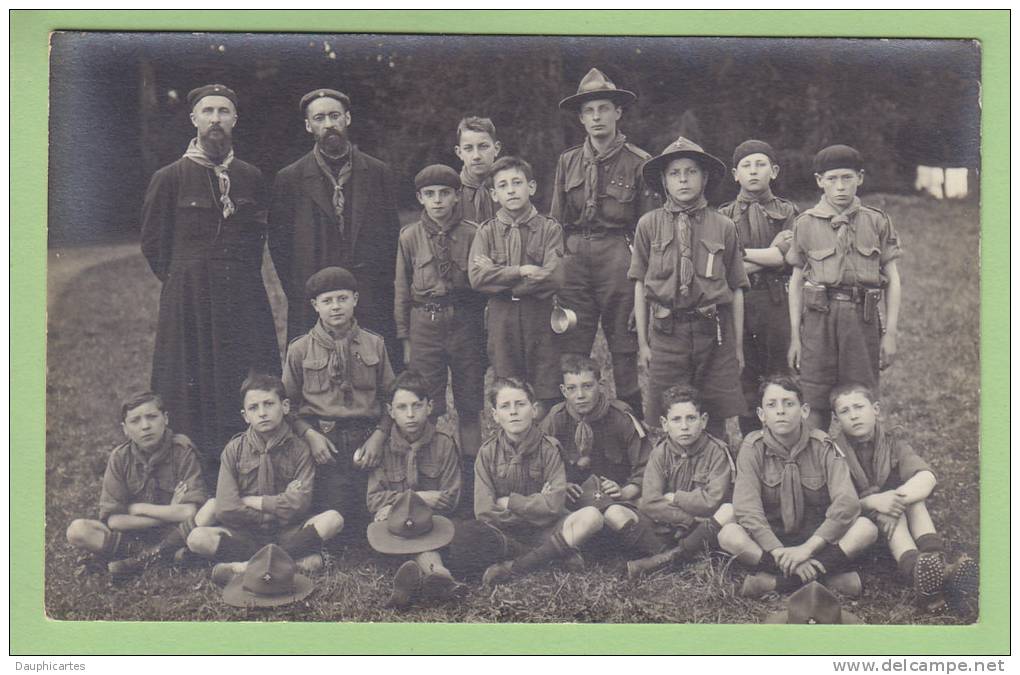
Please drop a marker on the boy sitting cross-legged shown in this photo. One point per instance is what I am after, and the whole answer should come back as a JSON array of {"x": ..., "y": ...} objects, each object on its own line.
[
  {"x": 687, "y": 482},
  {"x": 417, "y": 458},
  {"x": 797, "y": 513},
  {"x": 520, "y": 489},
  {"x": 894, "y": 483},
  {"x": 152, "y": 490},
  {"x": 264, "y": 489}
]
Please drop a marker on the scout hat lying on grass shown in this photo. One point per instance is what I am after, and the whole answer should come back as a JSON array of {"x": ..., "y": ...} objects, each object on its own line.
[
  {"x": 410, "y": 527},
  {"x": 592, "y": 495},
  {"x": 682, "y": 147},
  {"x": 269, "y": 580},
  {"x": 595, "y": 86},
  {"x": 813, "y": 603}
]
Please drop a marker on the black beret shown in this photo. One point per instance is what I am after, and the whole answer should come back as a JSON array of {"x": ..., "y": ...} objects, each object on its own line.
[
  {"x": 752, "y": 147},
  {"x": 838, "y": 157},
  {"x": 325, "y": 93},
  {"x": 437, "y": 174},
  {"x": 198, "y": 93},
  {"x": 330, "y": 279}
]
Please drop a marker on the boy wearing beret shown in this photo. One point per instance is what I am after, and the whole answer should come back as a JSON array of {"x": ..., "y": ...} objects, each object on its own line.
[
  {"x": 337, "y": 378},
  {"x": 152, "y": 490},
  {"x": 764, "y": 227},
  {"x": 689, "y": 282},
  {"x": 843, "y": 255},
  {"x": 439, "y": 316}
]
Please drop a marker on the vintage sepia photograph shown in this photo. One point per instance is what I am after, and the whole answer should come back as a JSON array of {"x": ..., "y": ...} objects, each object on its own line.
[{"x": 512, "y": 329}]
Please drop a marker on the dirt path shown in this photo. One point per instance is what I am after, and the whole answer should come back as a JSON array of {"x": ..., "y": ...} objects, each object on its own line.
[{"x": 66, "y": 263}]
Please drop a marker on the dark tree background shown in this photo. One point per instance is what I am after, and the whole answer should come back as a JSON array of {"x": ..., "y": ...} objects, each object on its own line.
[{"x": 117, "y": 110}]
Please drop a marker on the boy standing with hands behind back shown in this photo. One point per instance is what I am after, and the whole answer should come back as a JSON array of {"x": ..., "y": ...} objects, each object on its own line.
[{"x": 843, "y": 254}]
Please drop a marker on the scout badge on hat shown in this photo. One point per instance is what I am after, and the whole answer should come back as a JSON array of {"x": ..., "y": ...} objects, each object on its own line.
[
  {"x": 269, "y": 580},
  {"x": 652, "y": 169},
  {"x": 592, "y": 495},
  {"x": 813, "y": 603},
  {"x": 595, "y": 85},
  {"x": 410, "y": 527}
]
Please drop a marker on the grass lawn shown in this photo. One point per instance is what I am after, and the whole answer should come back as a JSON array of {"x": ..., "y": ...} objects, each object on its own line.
[{"x": 102, "y": 322}]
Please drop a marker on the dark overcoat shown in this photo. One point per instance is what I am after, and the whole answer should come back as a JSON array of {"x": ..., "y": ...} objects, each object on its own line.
[
  {"x": 303, "y": 238},
  {"x": 215, "y": 322}
]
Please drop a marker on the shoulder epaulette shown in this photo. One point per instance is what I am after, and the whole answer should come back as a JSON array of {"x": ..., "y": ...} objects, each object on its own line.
[
  {"x": 620, "y": 406},
  {"x": 557, "y": 409},
  {"x": 876, "y": 209},
  {"x": 819, "y": 435},
  {"x": 443, "y": 433},
  {"x": 295, "y": 339},
  {"x": 637, "y": 151},
  {"x": 726, "y": 451},
  {"x": 726, "y": 205},
  {"x": 554, "y": 441},
  {"x": 754, "y": 436},
  {"x": 181, "y": 439},
  {"x": 371, "y": 333},
  {"x": 407, "y": 226},
  {"x": 573, "y": 148}
]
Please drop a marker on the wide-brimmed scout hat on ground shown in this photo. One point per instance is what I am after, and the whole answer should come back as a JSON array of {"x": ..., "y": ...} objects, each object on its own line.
[
  {"x": 595, "y": 85},
  {"x": 410, "y": 527},
  {"x": 652, "y": 169},
  {"x": 592, "y": 495},
  {"x": 269, "y": 580},
  {"x": 813, "y": 603}
]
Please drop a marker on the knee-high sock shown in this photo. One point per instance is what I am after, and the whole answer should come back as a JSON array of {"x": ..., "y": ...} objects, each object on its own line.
[
  {"x": 305, "y": 541},
  {"x": 833, "y": 558},
  {"x": 555, "y": 546},
  {"x": 931, "y": 543}
]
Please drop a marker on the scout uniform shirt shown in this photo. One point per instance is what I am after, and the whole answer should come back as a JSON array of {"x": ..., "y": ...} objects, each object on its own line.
[
  {"x": 882, "y": 463},
  {"x": 279, "y": 469},
  {"x": 699, "y": 477},
  {"x": 843, "y": 249},
  {"x": 336, "y": 379},
  {"x": 430, "y": 463},
  {"x": 797, "y": 492},
  {"x": 758, "y": 221},
  {"x": 520, "y": 471},
  {"x": 134, "y": 477},
  {"x": 715, "y": 253},
  {"x": 614, "y": 442},
  {"x": 541, "y": 244},
  {"x": 432, "y": 263},
  {"x": 601, "y": 190}
]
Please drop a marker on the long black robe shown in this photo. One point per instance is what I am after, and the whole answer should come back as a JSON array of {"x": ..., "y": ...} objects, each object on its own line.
[{"x": 215, "y": 322}]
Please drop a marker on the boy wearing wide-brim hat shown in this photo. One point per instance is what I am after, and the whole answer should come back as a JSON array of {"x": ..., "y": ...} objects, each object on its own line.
[
  {"x": 813, "y": 604},
  {"x": 689, "y": 279},
  {"x": 411, "y": 528},
  {"x": 598, "y": 196},
  {"x": 270, "y": 579}
]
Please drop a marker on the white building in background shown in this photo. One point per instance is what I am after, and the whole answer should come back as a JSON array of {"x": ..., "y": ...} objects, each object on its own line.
[{"x": 942, "y": 183}]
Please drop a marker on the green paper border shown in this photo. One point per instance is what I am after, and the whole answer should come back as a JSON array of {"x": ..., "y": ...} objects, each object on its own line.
[{"x": 32, "y": 633}]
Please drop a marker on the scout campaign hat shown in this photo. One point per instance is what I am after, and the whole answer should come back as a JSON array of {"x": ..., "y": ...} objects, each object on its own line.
[
  {"x": 325, "y": 93},
  {"x": 592, "y": 495},
  {"x": 652, "y": 169},
  {"x": 270, "y": 580},
  {"x": 813, "y": 603},
  {"x": 596, "y": 85},
  {"x": 410, "y": 527},
  {"x": 330, "y": 279},
  {"x": 198, "y": 93}
]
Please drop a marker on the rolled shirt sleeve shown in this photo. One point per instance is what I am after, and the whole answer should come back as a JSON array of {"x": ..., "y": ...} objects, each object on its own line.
[{"x": 747, "y": 498}]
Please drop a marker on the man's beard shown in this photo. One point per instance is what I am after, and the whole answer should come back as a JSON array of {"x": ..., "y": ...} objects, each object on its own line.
[
  {"x": 332, "y": 143},
  {"x": 215, "y": 145}
]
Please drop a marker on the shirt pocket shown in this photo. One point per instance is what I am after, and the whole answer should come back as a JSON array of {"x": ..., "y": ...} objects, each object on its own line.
[
  {"x": 424, "y": 272},
  {"x": 824, "y": 265},
  {"x": 248, "y": 470},
  {"x": 621, "y": 190},
  {"x": 662, "y": 256},
  {"x": 868, "y": 264},
  {"x": 772, "y": 475},
  {"x": 429, "y": 471},
  {"x": 199, "y": 200},
  {"x": 316, "y": 375},
  {"x": 709, "y": 262},
  {"x": 363, "y": 369},
  {"x": 535, "y": 253}
]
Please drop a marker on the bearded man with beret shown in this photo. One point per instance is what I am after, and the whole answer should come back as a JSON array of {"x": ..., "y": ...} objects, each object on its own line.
[
  {"x": 203, "y": 233},
  {"x": 336, "y": 206}
]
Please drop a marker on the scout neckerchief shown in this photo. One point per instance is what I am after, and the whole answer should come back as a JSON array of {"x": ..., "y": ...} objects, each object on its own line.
[
  {"x": 512, "y": 234},
  {"x": 592, "y": 160},
  {"x": 481, "y": 201},
  {"x": 683, "y": 470},
  {"x": 682, "y": 214},
  {"x": 517, "y": 457},
  {"x": 339, "y": 348},
  {"x": 197, "y": 155},
  {"x": 846, "y": 232},
  {"x": 881, "y": 462},
  {"x": 150, "y": 463},
  {"x": 759, "y": 210},
  {"x": 337, "y": 181},
  {"x": 404, "y": 450},
  {"x": 261, "y": 448},
  {"x": 584, "y": 437},
  {"x": 439, "y": 241},
  {"x": 791, "y": 492}
]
